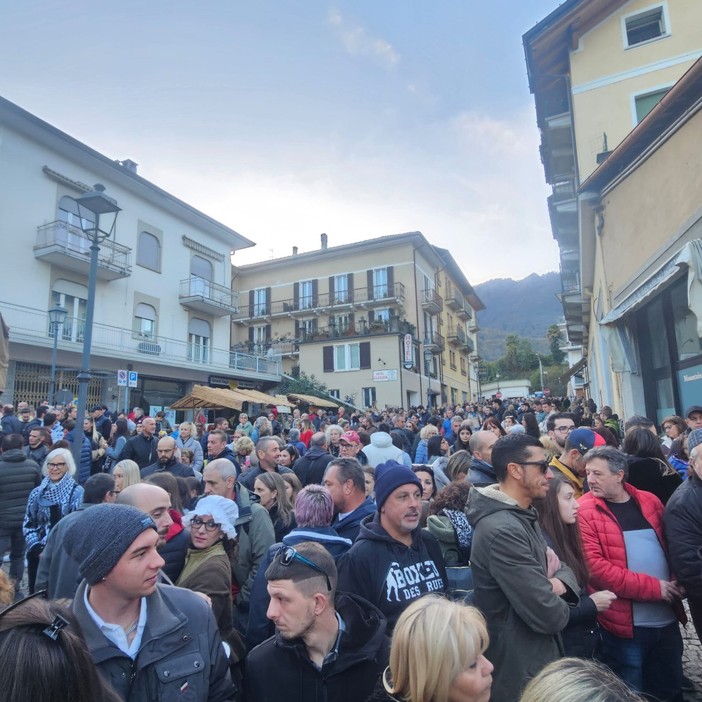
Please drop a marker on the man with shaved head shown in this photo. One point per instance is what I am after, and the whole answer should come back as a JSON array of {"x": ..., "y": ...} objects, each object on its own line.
[
  {"x": 166, "y": 461},
  {"x": 156, "y": 502},
  {"x": 481, "y": 472}
]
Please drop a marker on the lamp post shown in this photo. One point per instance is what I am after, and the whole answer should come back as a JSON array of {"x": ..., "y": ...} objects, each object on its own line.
[
  {"x": 428, "y": 355},
  {"x": 91, "y": 205},
  {"x": 497, "y": 378},
  {"x": 57, "y": 317}
]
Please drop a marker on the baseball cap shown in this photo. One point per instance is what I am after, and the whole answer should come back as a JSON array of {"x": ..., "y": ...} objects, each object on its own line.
[
  {"x": 691, "y": 410},
  {"x": 350, "y": 437},
  {"x": 583, "y": 440}
]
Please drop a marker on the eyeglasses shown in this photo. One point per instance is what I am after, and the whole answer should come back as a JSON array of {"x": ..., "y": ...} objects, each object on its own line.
[
  {"x": 287, "y": 554},
  {"x": 542, "y": 465},
  {"x": 196, "y": 523},
  {"x": 55, "y": 465},
  {"x": 563, "y": 429}
]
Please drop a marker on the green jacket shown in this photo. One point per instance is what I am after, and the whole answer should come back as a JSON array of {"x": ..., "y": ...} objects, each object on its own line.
[{"x": 512, "y": 590}]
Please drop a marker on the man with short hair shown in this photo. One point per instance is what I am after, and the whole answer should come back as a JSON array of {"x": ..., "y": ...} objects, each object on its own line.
[
  {"x": 102, "y": 422},
  {"x": 481, "y": 473},
  {"x": 394, "y": 561},
  {"x": 218, "y": 447},
  {"x": 150, "y": 641},
  {"x": 570, "y": 463},
  {"x": 167, "y": 463},
  {"x": 52, "y": 424},
  {"x": 624, "y": 544},
  {"x": 254, "y": 529},
  {"x": 58, "y": 572},
  {"x": 638, "y": 420},
  {"x": 10, "y": 423},
  {"x": 220, "y": 423},
  {"x": 142, "y": 448},
  {"x": 310, "y": 467},
  {"x": 345, "y": 480},
  {"x": 268, "y": 454},
  {"x": 520, "y": 585},
  {"x": 328, "y": 645},
  {"x": 37, "y": 448},
  {"x": 558, "y": 426}
]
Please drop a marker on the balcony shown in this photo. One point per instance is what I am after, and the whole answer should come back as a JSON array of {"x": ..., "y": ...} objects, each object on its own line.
[
  {"x": 361, "y": 328},
  {"x": 207, "y": 297},
  {"x": 455, "y": 301},
  {"x": 465, "y": 313},
  {"x": 473, "y": 327},
  {"x": 359, "y": 298},
  {"x": 269, "y": 349},
  {"x": 456, "y": 337},
  {"x": 432, "y": 303},
  {"x": 31, "y": 327},
  {"x": 434, "y": 342},
  {"x": 64, "y": 245},
  {"x": 469, "y": 345}
]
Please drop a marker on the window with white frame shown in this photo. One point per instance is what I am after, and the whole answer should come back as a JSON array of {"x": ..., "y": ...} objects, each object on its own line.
[
  {"x": 341, "y": 288},
  {"x": 144, "y": 321},
  {"x": 334, "y": 393},
  {"x": 340, "y": 323},
  {"x": 74, "y": 298},
  {"x": 347, "y": 357},
  {"x": 368, "y": 396},
  {"x": 306, "y": 295},
  {"x": 260, "y": 339},
  {"x": 308, "y": 327},
  {"x": 380, "y": 283},
  {"x": 148, "y": 252},
  {"x": 382, "y": 315},
  {"x": 646, "y": 26},
  {"x": 259, "y": 302},
  {"x": 646, "y": 102},
  {"x": 199, "y": 341},
  {"x": 71, "y": 234}
]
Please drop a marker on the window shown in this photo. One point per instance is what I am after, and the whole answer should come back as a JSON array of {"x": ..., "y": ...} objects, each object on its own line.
[
  {"x": 306, "y": 295},
  {"x": 452, "y": 358},
  {"x": 71, "y": 236},
  {"x": 341, "y": 289},
  {"x": 454, "y": 396},
  {"x": 340, "y": 323},
  {"x": 260, "y": 302},
  {"x": 368, "y": 397},
  {"x": 198, "y": 341},
  {"x": 334, "y": 393},
  {"x": 308, "y": 327},
  {"x": 259, "y": 339},
  {"x": 463, "y": 366},
  {"x": 645, "y": 26},
  {"x": 347, "y": 357},
  {"x": 382, "y": 315},
  {"x": 74, "y": 298},
  {"x": 148, "y": 252},
  {"x": 144, "y": 321},
  {"x": 380, "y": 283},
  {"x": 645, "y": 103}
]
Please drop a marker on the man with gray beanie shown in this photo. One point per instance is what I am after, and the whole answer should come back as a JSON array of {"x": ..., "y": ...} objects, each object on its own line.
[
  {"x": 393, "y": 561},
  {"x": 149, "y": 641}
]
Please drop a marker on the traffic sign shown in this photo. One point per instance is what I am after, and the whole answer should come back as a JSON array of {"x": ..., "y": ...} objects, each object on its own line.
[
  {"x": 133, "y": 378},
  {"x": 122, "y": 378}
]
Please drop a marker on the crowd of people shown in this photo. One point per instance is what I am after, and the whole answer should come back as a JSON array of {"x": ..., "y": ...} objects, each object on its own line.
[{"x": 532, "y": 549}]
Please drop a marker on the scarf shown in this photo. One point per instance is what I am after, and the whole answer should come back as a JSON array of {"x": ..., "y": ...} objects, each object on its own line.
[
  {"x": 463, "y": 531},
  {"x": 196, "y": 557},
  {"x": 59, "y": 493}
]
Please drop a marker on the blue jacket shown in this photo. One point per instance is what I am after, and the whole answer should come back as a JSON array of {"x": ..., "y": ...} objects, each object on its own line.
[
  {"x": 350, "y": 525},
  {"x": 86, "y": 458}
]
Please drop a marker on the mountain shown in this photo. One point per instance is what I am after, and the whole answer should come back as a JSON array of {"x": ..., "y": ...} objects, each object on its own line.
[{"x": 524, "y": 307}]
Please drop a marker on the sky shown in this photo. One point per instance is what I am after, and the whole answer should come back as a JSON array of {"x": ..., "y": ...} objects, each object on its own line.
[{"x": 287, "y": 119}]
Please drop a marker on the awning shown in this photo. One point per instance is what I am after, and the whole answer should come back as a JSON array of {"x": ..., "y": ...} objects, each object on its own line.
[
  {"x": 312, "y": 400},
  {"x": 263, "y": 399},
  {"x": 202, "y": 397},
  {"x": 565, "y": 377}
]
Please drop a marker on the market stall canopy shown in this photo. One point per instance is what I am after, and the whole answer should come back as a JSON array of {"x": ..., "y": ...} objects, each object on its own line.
[
  {"x": 202, "y": 397},
  {"x": 312, "y": 400},
  {"x": 263, "y": 399}
]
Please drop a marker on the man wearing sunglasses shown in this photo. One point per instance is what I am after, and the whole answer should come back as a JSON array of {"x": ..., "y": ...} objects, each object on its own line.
[
  {"x": 521, "y": 588},
  {"x": 328, "y": 645}
]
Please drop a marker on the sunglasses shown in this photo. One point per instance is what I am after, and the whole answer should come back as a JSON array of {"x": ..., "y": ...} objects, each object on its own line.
[
  {"x": 542, "y": 465},
  {"x": 287, "y": 554},
  {"x": 52, "y": 631}
]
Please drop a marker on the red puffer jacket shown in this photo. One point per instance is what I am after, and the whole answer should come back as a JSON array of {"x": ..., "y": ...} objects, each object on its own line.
[{"x": 605, "y": 553}]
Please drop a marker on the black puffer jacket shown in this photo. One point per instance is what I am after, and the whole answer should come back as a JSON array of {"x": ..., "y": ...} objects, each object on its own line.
[
  {"x": 19, "y": 475},
  {"x": 280, "y": 670}
]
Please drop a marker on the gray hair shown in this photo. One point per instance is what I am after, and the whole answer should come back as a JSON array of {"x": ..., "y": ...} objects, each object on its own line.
[
  {"x": 59, "y": 453},
  {"x": 616, "y": 460},
  {"x": 224, "y": 467},
  {"x": 319, "y": 440}
]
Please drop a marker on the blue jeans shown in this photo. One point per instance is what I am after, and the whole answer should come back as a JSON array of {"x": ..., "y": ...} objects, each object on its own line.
[
  {"x": 650, "y": 663},
  {"x": 12, "y": 540}
]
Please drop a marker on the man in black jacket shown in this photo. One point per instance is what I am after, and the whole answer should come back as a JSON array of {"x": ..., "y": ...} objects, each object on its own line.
[
  {"x": 310, "y": 468},
  {"x": 327, "y": 645},
  {"x": 142, "y": 448},
  {"x": 166, "y": 463},
  {"x": 19, "y": 475}
]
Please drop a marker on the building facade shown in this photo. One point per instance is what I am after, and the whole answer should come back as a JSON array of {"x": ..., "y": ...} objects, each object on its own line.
[
  {"x": 163, "y": 300},
  {"x": 382, "y": 322}
]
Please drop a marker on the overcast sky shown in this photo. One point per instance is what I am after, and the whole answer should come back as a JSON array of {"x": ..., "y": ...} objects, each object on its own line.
[{"x": 287, "y": 119}]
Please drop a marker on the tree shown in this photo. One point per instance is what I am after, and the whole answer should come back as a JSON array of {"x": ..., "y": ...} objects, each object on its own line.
[
  {"x": 300, "y": 382},
  {"x": 555, "y": 339}
]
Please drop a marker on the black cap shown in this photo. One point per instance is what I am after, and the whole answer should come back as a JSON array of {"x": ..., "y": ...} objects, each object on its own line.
[
  {"x": 95, "y": 408},
  {"x": 694, "y": 408}
]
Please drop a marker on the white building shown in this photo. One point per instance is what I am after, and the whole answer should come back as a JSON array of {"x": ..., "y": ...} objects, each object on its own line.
[{"x": 163, "y": 300}]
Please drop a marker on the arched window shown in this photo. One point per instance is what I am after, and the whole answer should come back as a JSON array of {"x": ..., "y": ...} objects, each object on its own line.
[
  {"x": 145, "y": 321},
  {"x": 149, "y": 251},
  {"x": 199, "y": 340}
]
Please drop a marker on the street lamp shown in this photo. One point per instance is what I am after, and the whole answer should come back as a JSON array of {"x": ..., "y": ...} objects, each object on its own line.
[
  {"x": 428, "y": 356},
  {"x": 91, "y": 206},
  {"x": 497, "y": 378},
  {"x": 57, "y": 317}
]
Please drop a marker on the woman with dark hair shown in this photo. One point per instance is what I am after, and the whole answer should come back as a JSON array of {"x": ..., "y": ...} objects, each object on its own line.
[
  {"x": 270, "y": 487},
  {"x": 426, "y": 478},
  {"x": 492, "y": 424},
  {"x": 288, "y": 455},
  {"x": 648, "y": 469},
  {"x": 118, "y": 439},
  {"x": 557, "y": 518},
  {"x": 437, "y": 447},
  {"x": 531, "y": 426},
  {"x": 45, "y": 658},
  {"x": 465, "y": 431}
]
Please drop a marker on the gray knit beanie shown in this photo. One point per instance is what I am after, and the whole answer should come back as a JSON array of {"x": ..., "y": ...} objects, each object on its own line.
[{"x": 101, "y": 535}]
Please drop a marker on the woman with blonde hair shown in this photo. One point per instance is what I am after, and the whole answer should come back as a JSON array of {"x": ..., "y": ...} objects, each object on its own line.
[
  {"x": 422, "y": 453},
  {"x": 187, "y": 439},
  {"x": 126, "y": 473},
  {"x": 437, "y": 655}
]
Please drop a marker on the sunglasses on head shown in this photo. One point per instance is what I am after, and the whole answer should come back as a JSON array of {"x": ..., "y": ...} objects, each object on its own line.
[{"x": 287, "y": 554}]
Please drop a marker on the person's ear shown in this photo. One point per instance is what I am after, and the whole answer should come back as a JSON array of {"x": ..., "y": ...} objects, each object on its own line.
[{"x": 515, "y": 471}]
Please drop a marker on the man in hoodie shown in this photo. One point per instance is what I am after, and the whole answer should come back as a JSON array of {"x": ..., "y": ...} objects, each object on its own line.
[
  {"x": 393, "y": 561},
  {"x": 345, "y": 480},
  {"x": 328, "y": 645},
  {"x": 310, "y": 468},
  {"x": 481, "y": 472},
  {"x": 381, "y": 448},
  {"x": 520, "y": 585}
]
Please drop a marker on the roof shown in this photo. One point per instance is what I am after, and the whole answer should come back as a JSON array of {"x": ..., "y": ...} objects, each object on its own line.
[
  {"x": 312, "y": 400},
  {"x": 457, "y": 274},
  {"x": 682, "y": 101},
  {"x": 56, "y": 140},
  {"x": 201, "y": 396}
]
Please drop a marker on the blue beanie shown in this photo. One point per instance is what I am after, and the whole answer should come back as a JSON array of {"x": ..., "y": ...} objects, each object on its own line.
[
  {"x": 101, "y": 536},
  {"x": 389, "y": 476}
]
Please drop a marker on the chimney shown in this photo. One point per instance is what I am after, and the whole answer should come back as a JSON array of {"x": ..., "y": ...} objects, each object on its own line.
[
  {"x": 323, "y": 237},
  {"x": 130, "y": 165},
  {"x": 294, "y": 250}
]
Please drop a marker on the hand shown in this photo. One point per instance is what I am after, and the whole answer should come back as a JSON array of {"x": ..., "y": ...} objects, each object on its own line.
[
  {"x": 669, "y": 591},
  {"x": 553, "y": 562},
  {"x": 558, "y": 587},
  {"x": 603, "y": 599}
]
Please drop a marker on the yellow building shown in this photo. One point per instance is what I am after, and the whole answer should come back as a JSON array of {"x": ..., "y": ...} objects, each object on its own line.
[{"x": 383, "y": 322}]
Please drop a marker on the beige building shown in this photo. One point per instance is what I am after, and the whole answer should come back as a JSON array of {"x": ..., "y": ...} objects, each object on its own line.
[
  {"x": 597, "y": 68},
  {"x": 382, "y": 322}
]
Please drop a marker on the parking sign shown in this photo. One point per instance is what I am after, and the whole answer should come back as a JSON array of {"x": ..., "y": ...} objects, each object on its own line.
[{"x": 133, "y": 378}]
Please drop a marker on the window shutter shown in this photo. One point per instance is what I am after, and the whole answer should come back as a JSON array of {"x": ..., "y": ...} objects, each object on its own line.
[
  {"x": 352, "y": 322},
  {"x": 365, "y": 355},
  {"x": 251, "y": 303},
  {"x": 315, "y": 293},
  {"x": 251, "y": 335},
  {"x": 371, "y": 317},
  {"x": 391, "y": 280},
  {"x": 331, "y": 290},
  {"x": 350, "y": 285},
  {"x": 296, "y": 296},
  {"x": 297, "y": 329},
  {"x": 268, "y": 333},
  {"x": 268, "y": 300},
  {"x": 369, "y": 281},
  {"x": 328, "y": 359}
]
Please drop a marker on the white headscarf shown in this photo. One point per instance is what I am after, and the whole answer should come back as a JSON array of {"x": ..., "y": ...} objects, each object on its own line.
[{"x": 223, "y": 511}]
